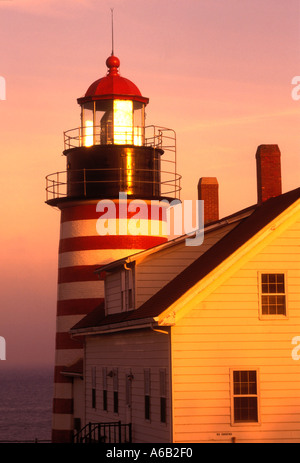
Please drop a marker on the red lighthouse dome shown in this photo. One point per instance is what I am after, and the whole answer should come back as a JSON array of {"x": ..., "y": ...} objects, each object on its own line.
[{"x": 113, "y": 85}]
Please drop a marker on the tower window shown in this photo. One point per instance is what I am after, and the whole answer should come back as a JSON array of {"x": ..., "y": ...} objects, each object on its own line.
[{"x": 273, "y": 297}]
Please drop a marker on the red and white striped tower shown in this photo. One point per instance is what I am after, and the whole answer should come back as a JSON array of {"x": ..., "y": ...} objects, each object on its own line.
[{"x": 113, "y": 177}]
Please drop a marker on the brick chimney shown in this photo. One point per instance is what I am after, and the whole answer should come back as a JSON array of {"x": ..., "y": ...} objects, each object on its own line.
[
  {"x": 268, "y": 169},
  {"x": 208, "y": 191}
]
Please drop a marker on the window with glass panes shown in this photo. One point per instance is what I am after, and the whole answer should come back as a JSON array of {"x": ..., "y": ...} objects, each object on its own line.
[
  {"x": 273, "y": 298},
  {"x": 245, "y": 398},
  {"x": 116, "y": 390},
  {"x": 147, "y": 388},
  {"x": 104, "y": 391},
  {"x": 93, "y": 387}
]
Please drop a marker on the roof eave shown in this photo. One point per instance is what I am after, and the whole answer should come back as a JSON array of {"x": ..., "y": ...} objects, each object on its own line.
[
  {"x": 142, "y": 323},
  {"x": 112, "y": 96},
  {"x": 142, "y": 254}
]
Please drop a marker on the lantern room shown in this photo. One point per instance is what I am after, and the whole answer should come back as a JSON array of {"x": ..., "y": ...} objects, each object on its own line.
[
  {"x": 112, "y": 150},
  {"x": 113, "y": 110}
]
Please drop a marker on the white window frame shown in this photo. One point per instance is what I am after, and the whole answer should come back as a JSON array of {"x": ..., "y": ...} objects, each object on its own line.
[
  {"x": 260, "y": 294},
  {"x": 232, "y": 396}
]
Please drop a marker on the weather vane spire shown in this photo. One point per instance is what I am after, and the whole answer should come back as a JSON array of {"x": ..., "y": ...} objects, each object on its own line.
[{"x": 112, "y": 31}]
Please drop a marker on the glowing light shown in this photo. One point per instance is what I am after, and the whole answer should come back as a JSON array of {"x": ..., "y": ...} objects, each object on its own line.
[
  {"x": 88, "y": 133},
  {"x": 129, "y": 171},
  {"x": 123, "y": 122},
  {"x": 138, "y": 138}
]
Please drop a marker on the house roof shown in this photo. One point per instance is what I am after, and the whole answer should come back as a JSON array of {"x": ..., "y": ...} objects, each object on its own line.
[
  {"x": 236, "y": 217},
  {"x": 225, "y": 247}
]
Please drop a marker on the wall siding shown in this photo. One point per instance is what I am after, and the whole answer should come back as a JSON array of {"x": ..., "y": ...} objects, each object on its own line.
[
  {"x": 225, "y": 332},
  {"x": 130, "y": 352}
]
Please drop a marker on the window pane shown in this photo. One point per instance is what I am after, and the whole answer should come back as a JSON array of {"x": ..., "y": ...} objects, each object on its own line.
[
  {"x": 163, "y": 407},
  {"x": 272, "y": 278},
  {"x": 264, "y": 278},
  {"x": 280, "y": 278},
  {"x": 273, "y": 305},
  {"x": 245, "y": 409},
  {"x": 272, "y": 283},
  {"x": 264, "y": 288},
  {"x": 105, "y": 399},
  {"x": 245, "y": 384},
  {"x": 280, "y": 288},
  {"x": 162, "y": 382},
  {"x": 116, "y": 402},
  {"x": 272, "y": 288},
  {"x": 93, "y": 398},
  {"x": 147, "y": 407}
]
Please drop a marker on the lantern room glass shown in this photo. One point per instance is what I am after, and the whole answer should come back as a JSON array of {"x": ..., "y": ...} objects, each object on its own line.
[{"x": 117, "y": 121}]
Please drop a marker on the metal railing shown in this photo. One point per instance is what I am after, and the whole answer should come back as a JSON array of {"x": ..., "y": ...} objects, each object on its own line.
[
  {"x": 104, "y": 433},
  {"x": 166, "y": 180},
  {"x": 58, "y": 183},
  {"x": 151, "y": 135}
]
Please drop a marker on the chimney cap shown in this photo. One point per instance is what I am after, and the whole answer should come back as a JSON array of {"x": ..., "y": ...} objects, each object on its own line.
[{"x": 208, "y": 180}]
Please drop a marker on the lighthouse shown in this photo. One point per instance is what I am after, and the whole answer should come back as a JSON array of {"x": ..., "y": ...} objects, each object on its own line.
[{"x": 118, "y": 170}]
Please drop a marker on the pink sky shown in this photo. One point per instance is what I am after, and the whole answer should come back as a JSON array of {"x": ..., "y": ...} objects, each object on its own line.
[{"x": 218, "y": 73}]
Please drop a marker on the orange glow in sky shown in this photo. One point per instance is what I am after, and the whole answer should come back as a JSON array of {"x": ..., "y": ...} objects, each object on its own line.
[{"x": 218, "y": 73}]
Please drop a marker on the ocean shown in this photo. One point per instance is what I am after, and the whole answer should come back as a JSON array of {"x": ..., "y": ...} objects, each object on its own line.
[{"x": 26, "y": 404}]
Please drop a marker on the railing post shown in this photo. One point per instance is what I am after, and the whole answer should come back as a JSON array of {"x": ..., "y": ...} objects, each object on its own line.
[
  {"x": 57, "y": 183},
  {"x": 53, "y": 189}
]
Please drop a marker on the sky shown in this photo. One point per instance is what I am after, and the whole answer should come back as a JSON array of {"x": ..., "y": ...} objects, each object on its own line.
[{"x": 217, "y": 72}]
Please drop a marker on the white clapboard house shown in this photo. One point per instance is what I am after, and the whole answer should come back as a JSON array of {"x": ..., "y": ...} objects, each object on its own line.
[{"x": 200, "y": 343}]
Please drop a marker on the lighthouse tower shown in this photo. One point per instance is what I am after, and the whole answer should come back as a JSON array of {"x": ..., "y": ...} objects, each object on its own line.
[{"x": 114, "y": 174}]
